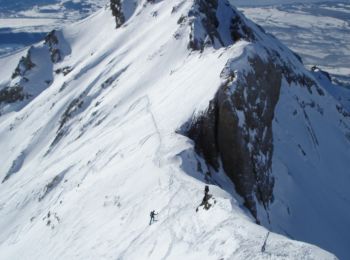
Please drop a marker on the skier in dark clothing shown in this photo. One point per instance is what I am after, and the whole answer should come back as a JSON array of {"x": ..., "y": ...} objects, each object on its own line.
[
  {"x": 206, "y": 198},
  {"x": 152, "y": 215},
  {"x": 206, "y": 189}
]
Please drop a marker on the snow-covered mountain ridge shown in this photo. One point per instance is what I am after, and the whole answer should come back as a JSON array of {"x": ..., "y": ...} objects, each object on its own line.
[{"x": 97, "y": 140}]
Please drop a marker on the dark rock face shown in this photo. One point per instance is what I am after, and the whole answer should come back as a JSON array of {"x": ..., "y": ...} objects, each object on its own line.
[
  {"x": 25, "y": 64},
  {"x": 208, "y": 21},
  {"x": 204, "y": 24},
  {"x": 42, "y": 57},
  {"x": 117, "y": 12},
  {"x": 203, "y": 131},
  {"x": 240, "y": 31},
  {"x": 237, "y": 128},
  {"x": 51, "y": 40},
  {"x": 235, "y": 132},
  {"x": 65, "y": 70},
  {"x": 12, "y": 94}
]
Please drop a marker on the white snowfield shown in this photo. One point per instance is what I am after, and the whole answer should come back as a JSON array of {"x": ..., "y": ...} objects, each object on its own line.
[
  {"x": 318, "y": 32},
  {"x": 117, "y": 155},
  {"x": 279, "y": 2}
]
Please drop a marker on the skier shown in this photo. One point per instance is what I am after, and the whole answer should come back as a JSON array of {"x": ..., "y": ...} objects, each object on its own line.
[
  {"x": 152, "y": 215},
  {"x": 206, "y": 189},
  {"x": 206, "y": 198}
]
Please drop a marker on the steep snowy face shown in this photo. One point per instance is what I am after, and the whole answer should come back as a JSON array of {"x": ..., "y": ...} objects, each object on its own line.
[
  {"x": 310, "y": 165},
  {"x": 87, "y": 156},
  {"x": 341, "y": 92}
]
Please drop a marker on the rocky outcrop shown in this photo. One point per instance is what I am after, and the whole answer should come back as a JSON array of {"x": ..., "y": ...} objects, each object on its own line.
[
  {"x": 204, "y": 20},
  {"x": 235, "y": 132},
  {"x": 25, "y": 64},
  {"x": 240, "y": 31},
  {"x": 14, "y": 92},
  {"x": 24, "y": 84},
  {"x": 51, "y": 41},
  {"x": 65, "y": 70},
  {"x": 123, "y": 10},
  {"x": 11, "y": 94},
  {"x": 117, "y": 12},
  {"x": 207, "y": 23},
  {"x": 237, "y": 129}
]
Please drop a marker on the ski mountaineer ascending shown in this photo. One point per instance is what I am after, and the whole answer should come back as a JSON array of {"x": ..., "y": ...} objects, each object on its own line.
[
  {"x": 206, "y": 198},
  {"x": 152, "y": 215}
]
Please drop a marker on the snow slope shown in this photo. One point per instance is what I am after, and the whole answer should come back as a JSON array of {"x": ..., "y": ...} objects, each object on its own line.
[
  {"x": 318, "y": 32},
  {"x": 88, "y": 157},
  {"x": 281, "y": 2},
  {"x": 26, "y": 22}
]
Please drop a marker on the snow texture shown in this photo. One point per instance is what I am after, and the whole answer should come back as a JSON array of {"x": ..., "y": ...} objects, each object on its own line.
[{"x": 91, "y": 153}]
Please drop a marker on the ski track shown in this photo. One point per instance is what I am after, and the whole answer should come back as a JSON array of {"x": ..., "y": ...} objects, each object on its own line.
[{"x": 111, "y": 174}]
